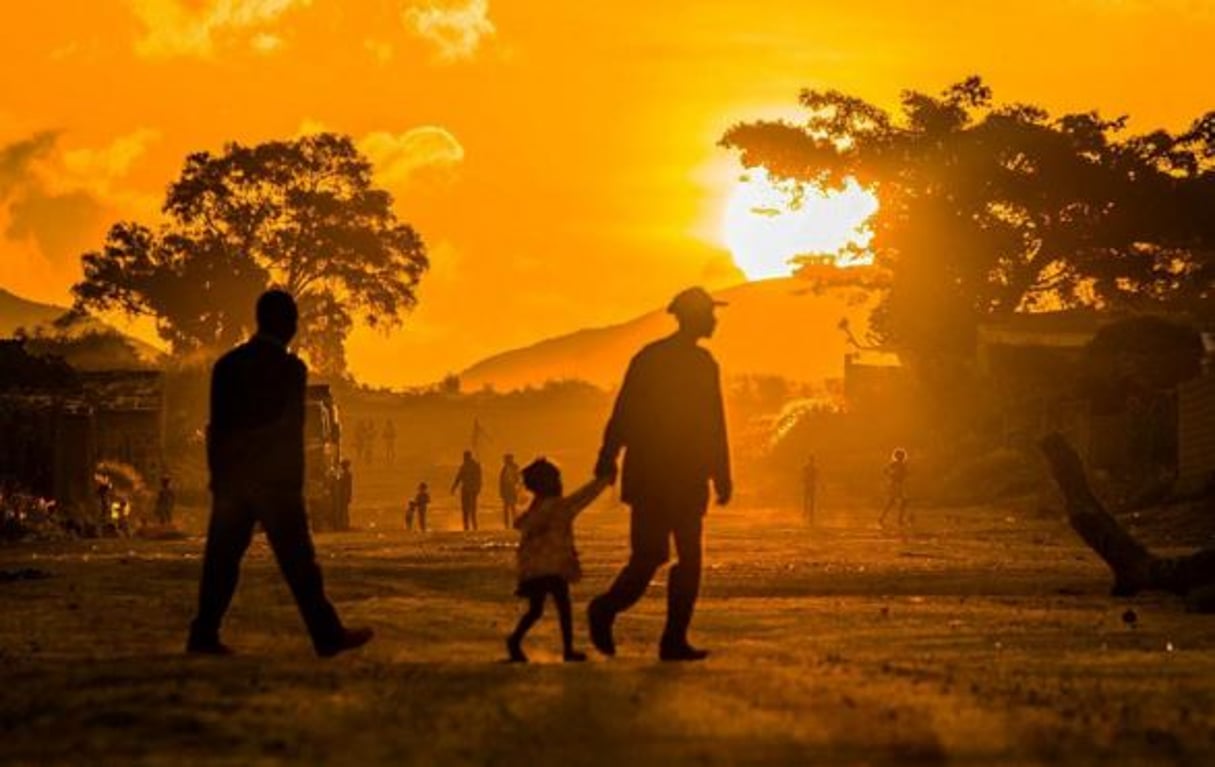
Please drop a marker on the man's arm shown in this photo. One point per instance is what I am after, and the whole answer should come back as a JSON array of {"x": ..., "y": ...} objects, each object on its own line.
[
  {"x": 723, "y": 483},
  {"x": 293, "y": 417},
  {"x": 615, "y": 434},
  {"x": 216, "y": 432},
  {"x": 459, "y": 478}
]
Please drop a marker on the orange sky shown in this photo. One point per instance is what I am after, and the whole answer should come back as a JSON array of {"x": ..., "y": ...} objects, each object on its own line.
[{"x": 557, "y": 156}]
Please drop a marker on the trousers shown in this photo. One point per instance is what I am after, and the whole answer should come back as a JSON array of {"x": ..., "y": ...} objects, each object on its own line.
[
  {"x": 229, "y": 534},
  {"x": 651, "y": 530}
]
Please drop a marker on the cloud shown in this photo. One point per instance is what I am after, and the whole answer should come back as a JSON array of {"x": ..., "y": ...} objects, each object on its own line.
[
  {"x": 190, "y": 28},
  {"x": 55, "y": 203},
  {"x": 402, "y": 159},
  {"x": 455, "y": 29}
]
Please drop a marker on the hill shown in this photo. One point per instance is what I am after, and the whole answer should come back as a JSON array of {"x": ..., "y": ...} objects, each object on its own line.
[
  {"x": 87, "y": 344},
  {"x": 773, "y": 327},
  {"x": 17, "y": 312}
]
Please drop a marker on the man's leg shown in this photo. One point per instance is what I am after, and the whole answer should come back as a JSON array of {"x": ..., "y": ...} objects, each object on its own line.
[
  {"x": 228, "y": 534},
  {"x": 472, "y": 512},
  {"x": 648, "y": 535},
  {"x": 286, "y": 526},
  {"x": 683, "y": 585}
]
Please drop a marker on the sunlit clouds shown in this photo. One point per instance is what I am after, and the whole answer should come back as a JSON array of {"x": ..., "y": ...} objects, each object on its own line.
[
  {"x": 767, "y": 226},
  {"x": 180, "y": 28},
  {"x": 456, "y": 30}
]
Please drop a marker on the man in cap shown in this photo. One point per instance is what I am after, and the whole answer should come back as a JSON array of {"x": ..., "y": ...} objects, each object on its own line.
[
  {"x": 255, "y": 450},
  {"x": 670, "y": 422}
]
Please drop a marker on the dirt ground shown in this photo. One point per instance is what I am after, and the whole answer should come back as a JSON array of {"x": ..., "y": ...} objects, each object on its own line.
[{"x": 984, "y": 636}]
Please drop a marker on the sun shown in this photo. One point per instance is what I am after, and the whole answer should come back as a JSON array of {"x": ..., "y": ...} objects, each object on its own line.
[{"x": 768, "y": 224}]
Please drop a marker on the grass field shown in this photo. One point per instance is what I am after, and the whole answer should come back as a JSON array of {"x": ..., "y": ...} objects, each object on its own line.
[{"x": 984, "y": 636}]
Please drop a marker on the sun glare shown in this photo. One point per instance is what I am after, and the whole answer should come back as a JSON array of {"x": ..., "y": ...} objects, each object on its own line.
[{"x": 768, "y": 225}]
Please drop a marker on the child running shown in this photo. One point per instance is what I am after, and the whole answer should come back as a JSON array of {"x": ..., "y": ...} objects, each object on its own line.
[
  {"x": 417, "y": 508},
  {"x": 548, "y": 562}
]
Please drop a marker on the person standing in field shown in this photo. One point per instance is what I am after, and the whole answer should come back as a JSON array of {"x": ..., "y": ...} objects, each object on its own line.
[
  {"x": 166, "y": 499},
  {"x": 670, "y": 422},
  {"x": 345, "y": 494},
  {"x": 417, "y": 508},
  {"x": 390, "y": 441},
  {"x": 468, "y": 480},
  {"x": 255, "y": 451},
  {"x": 896, "y": 488},
  {"x": 508, "y": 489}
]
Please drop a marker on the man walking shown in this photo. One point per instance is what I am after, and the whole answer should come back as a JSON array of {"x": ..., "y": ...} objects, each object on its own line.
[
  {"x": 468, "y": 480},
  {"x": 255, "y": 451},
  {"x": 670, "y": 421}
]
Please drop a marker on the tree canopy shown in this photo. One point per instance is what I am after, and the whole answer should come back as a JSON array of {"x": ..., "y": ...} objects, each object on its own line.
[
  {"x": 301, "y": 214},
  {"x": 988, "y": 209}
]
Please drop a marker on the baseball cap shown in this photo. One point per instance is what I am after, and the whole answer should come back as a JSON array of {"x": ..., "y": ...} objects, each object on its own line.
[{"x": 693, "y": 301}]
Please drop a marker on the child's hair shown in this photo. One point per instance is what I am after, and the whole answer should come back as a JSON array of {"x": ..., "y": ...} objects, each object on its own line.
[
  {"x": 542, "y": 477},
  {"x": 899, "y": 454}
]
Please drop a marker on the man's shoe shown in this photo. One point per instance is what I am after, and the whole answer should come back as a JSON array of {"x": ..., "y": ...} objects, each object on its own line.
[
  {"x": 599, "y": 618},
  {"x": 682, "y": 652},
  {"x": 351, "y": 639},
  {"x": 573, "y": 656},
  {"x": 195, "y": 646}
]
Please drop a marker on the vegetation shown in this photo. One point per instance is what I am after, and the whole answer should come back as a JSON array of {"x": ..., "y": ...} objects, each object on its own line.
[
  {"x": 300, "y": 214},
  {"x": 989, "y": 209}
]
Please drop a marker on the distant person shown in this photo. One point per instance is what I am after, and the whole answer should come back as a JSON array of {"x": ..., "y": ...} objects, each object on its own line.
[
  {"x": 468, "y": 480},
  {"x": 360, "y": 440},
  {"x": 548, "y": 561},
  {"x": 417, "y": 508},
  {"x": 669, "y": 420},
  {"x": 809, "y": 489},
  {"x": 255, "y": 451},
  {"x": 508, "y": 489},
  {"x": 1134, "y": 567},
  {"x": 105, "y": 499},
  {"x": 345, "y": 494},
  {"x": 896, "y": 487},
  {"x": 166, "y": 499},
  {"x": 371, "y": 436},
  {"x": 390, "y": 441}
]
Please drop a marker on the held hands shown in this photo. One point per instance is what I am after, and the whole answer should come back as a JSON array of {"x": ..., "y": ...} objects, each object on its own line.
[{"x": 605, "y": 469}]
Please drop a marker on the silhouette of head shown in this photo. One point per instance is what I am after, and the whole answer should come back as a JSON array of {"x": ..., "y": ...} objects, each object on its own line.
[
  {"x": 693, "y": 309},
  {"x": 277, "y": 316},
  {"x": 542, "y": 478},
  {"x": 423, "y": 486},
  {"x": 468, "y": 456},
  {"x": 345, "y": 463},
  {"x": 166, "y": 481},
  {"x": 899, "y": 455},
  {"x": 509, "y": 457}
]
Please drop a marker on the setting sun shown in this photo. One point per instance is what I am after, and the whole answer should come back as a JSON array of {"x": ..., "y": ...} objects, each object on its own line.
[{"x": 769, "y": 224}]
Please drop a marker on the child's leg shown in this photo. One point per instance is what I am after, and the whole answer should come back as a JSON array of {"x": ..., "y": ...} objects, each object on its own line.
[
  {"x": 535, "y": 608},
  {"x": 565, "y": 614}
]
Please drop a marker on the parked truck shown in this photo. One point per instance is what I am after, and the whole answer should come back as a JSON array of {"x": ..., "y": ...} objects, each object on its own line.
[{"x": 323, "y": 461}]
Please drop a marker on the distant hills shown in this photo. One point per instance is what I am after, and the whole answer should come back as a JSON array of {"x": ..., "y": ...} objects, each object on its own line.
[
  {"x": 777, "y": 327},
  {"x": 87, "y": 345},
  {"x": 17, "y": 312}
]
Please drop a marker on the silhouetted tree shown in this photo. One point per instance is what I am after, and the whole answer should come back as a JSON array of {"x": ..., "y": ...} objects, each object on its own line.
[
  {"x": 991, "y": 209},
  {"x": 300, "y": 214}
]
